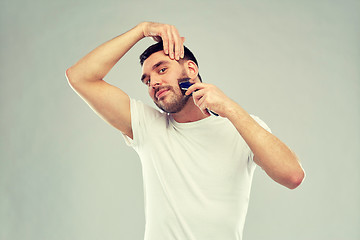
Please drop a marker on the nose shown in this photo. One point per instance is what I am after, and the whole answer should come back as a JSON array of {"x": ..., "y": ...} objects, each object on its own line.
[{"x": 155, "y": 82}]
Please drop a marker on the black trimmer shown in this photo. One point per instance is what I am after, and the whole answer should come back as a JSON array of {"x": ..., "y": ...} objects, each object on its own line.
[{"x": 184, "y": 84}]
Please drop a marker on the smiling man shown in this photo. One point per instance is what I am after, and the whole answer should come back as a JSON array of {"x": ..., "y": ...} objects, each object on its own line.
[
  {"x": 167, "y": 72},
  {"x": 197, "y": 168}
]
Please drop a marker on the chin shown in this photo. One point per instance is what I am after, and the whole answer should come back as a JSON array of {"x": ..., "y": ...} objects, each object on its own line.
[{"x": 174, "y": 106}]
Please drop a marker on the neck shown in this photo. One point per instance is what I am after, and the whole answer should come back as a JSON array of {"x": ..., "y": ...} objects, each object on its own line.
[{"x": 190, "y": 113}]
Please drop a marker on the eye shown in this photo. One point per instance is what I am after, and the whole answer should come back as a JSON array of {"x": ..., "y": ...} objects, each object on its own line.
[
  {"x": 162, "y": 70},
  {"x": 147, "y": 82}
]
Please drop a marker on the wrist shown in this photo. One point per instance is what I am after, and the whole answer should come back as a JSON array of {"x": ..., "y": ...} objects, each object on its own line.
[
  {"x": 141, "y": 29},
  {"x": 143, "y": 26},
  {"x": 234, "y": 110}
]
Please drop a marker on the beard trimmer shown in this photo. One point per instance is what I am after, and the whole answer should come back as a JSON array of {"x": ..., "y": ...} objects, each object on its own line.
[{"x": 184, "y": 84}]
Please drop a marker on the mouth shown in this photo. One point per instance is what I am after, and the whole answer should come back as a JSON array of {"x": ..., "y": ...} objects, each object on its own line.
[{"x": 160, "y": 93}]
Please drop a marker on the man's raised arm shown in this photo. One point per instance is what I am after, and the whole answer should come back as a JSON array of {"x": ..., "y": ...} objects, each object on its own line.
[{"x": 86, "y": 76}]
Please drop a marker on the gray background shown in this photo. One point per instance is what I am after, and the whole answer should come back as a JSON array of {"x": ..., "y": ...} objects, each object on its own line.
[{"x": 66, "y": 174}]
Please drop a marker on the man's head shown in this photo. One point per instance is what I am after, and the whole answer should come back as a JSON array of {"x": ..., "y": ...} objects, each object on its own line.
[
  {"x": 162, "y": 76},
  {"x": 188, "y": 55}
]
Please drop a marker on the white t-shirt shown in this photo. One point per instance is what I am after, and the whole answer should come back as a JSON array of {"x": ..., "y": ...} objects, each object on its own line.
[{"x": 197, "y": 176}]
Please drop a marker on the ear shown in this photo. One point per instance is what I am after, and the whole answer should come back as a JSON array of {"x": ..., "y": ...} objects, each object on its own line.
[{"x": 192, "y": 69}]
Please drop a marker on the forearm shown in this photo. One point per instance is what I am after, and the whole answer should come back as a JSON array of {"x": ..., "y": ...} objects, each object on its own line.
[
  {"x": 278, "y": 161},
  {"x": 95, "y": 65}
]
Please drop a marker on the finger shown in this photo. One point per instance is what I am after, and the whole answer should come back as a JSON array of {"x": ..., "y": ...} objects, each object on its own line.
[
  {"x": 199, "y": 100},
  {"x": 204, "y": 109},
  {"x": 194, "y": 87},
  {"x": 197, "y": 95},
  {"x": 182, "y": 47},
  {"x": 177, "y": 42},
  {"x": 165, "y": 40},
  {"x": 171, "y": 43}
]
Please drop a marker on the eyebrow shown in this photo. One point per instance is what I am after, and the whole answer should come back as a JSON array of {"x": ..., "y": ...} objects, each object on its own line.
[{"x": 153, "y": 67}]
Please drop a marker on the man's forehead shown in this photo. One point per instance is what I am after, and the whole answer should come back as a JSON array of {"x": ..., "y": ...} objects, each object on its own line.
[{"x": 155, "y": 58}]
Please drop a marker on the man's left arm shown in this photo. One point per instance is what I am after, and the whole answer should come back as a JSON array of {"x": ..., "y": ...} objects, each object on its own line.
[{"x": 271, "y": 154}]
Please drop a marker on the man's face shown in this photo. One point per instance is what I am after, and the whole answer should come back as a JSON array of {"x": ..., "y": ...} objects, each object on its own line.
[{"x": 162, "y": 75}]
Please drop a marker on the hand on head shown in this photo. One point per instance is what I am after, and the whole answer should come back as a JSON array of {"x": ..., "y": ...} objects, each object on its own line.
[{"x": 169, "y": 35}]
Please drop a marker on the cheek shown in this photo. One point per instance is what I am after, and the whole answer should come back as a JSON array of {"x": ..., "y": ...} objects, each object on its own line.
[{"x": 151, "y": 92}]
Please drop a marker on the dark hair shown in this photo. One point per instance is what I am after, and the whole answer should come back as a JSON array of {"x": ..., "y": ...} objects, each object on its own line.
[{"x": 188, "y": 55}]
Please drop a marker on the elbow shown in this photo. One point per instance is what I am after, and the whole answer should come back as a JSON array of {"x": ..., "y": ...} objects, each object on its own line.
[
  {"x": 68, "y": 76},
  {"x": 296, "y": 179},
  {"x": 72, "y": 77}
]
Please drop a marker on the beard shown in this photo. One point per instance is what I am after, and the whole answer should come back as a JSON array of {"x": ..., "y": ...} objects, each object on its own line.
[{"x": 175, "y": 101}]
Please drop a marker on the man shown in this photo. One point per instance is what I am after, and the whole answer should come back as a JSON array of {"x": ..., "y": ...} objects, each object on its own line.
[{"x": 197, "y": 168}]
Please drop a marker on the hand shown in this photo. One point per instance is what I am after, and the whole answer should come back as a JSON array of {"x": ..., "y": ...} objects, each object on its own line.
[
  {"x": 173, "y": 43},
  {"x": 210, "y": 98}
]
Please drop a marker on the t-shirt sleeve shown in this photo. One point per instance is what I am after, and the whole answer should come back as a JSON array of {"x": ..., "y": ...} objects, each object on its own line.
[
  {"x": 142, "y": 117},
  {"x": 263, "y": 125}
]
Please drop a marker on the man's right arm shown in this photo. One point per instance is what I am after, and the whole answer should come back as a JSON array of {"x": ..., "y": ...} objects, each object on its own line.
[{"x": 86, "y": 76}]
